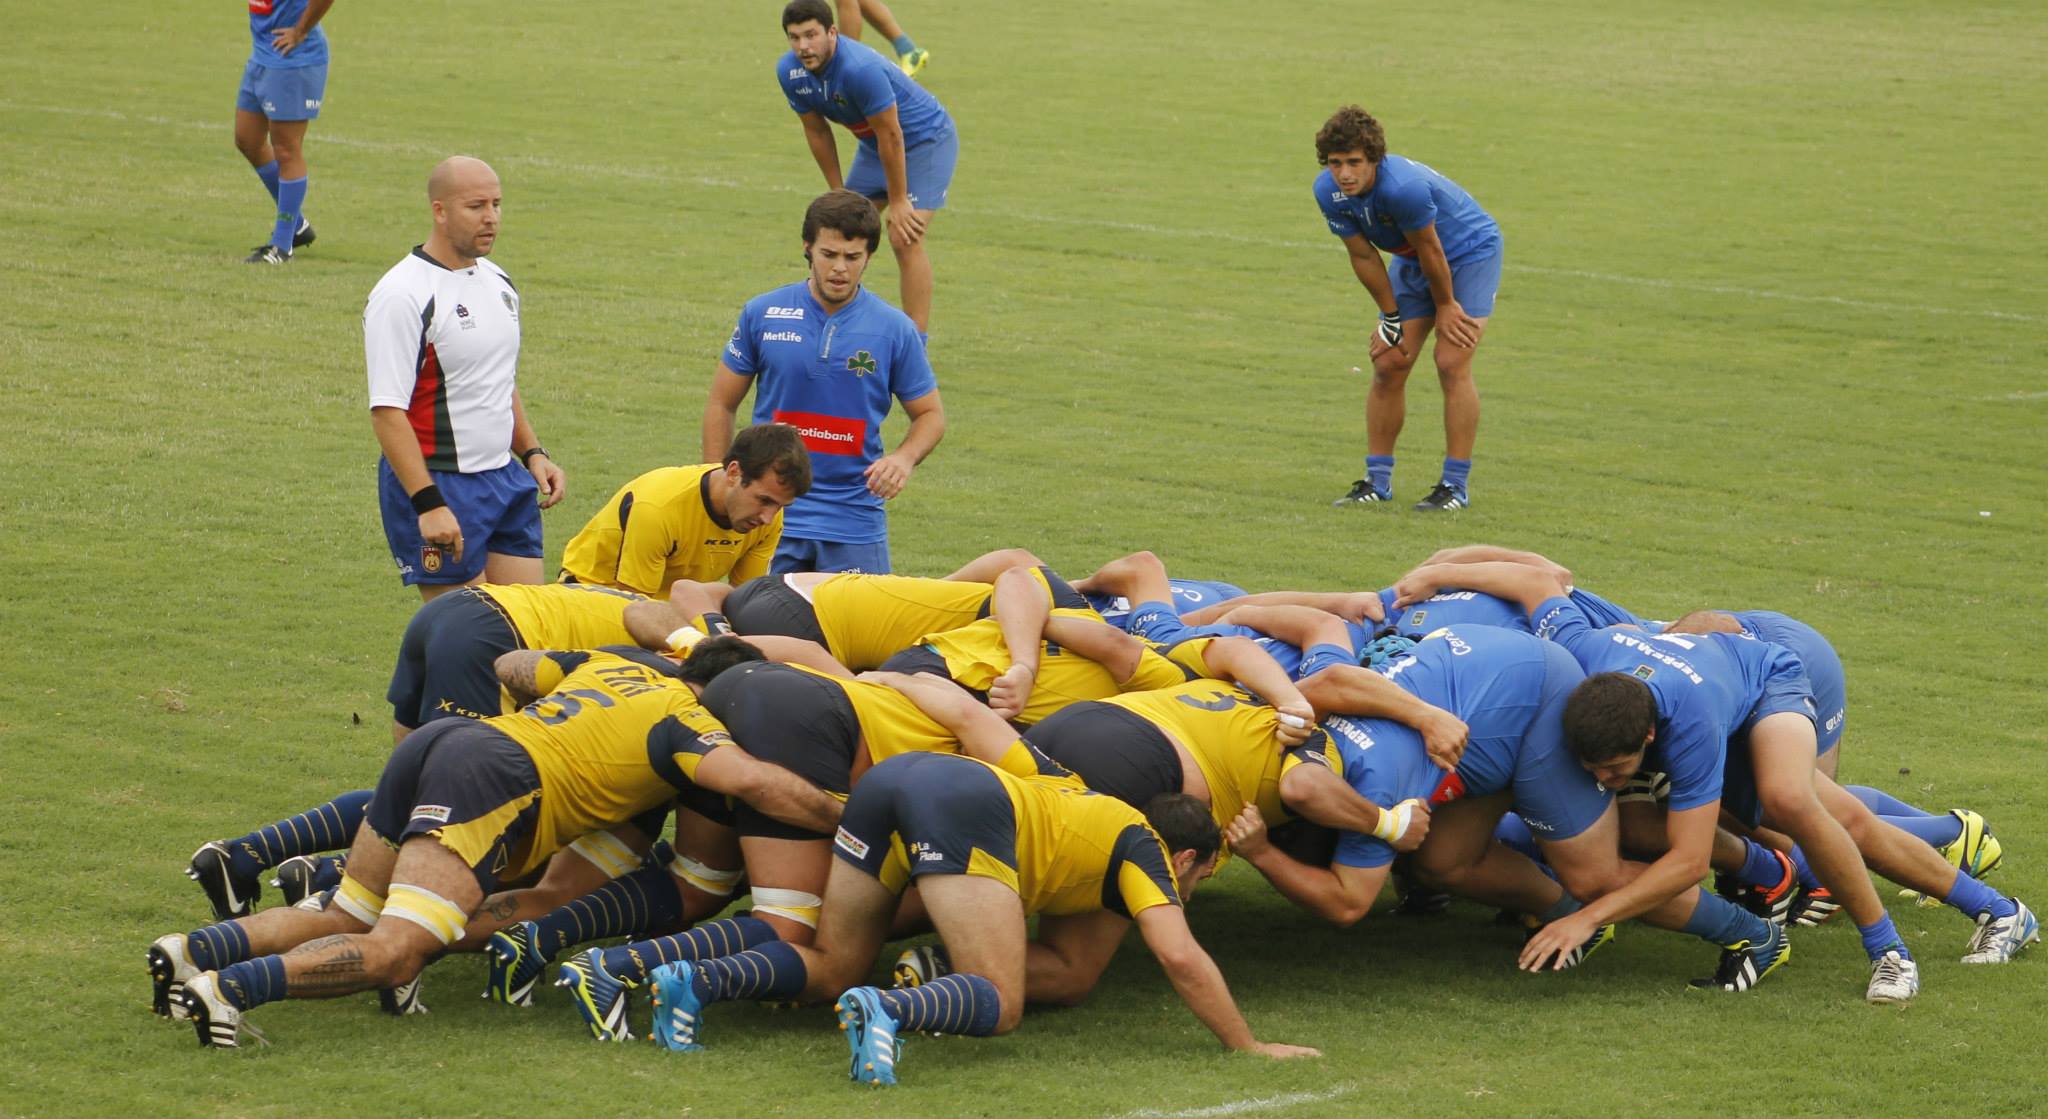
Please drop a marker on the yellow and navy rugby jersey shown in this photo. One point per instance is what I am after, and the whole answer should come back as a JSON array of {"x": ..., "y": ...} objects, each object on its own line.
[
  {"x": 1231, "y": 734},
  {"x": 976, "y": 654},
  {"x": 890, "y": 724},
  {"x": 660, "y": 527},
  {"x": 563, "y": 615},
  {"x": 867, "y": 619},
  {"x": 615, "y": 736},
  {"x": 1079, "y": 851}
]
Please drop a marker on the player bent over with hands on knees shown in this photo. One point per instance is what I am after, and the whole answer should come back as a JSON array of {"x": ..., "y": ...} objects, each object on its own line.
[{"x": 986, "y": 849}]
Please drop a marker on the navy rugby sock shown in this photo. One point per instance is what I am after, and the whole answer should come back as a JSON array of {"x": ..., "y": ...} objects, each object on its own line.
[
  {"x": 950, "y": 1004},
  {"x": 774, "y": 970},
  {"x": 328, "y": 827},
  {"x": 252, "y": 983},
  {"x": 629, "y": 905},
  {"x": 216, "y": 946},
  {"x": 723, "y": 937}
]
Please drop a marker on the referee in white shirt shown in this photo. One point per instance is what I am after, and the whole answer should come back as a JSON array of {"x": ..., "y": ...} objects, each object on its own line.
[{"x": 461, "y": 466}]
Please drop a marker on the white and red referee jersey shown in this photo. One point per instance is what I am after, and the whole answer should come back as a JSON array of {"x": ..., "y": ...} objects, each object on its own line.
[{"x": 443, "y": 344}]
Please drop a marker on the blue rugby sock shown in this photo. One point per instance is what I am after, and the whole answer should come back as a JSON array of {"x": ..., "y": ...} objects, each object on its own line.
[
  {"x": 630, "y": 905},
  {"x": 268, "y": 173},
  {"x": 775, "y": 970},
  {"x": 1720, "y": 921},
  {"x": 1760, "y": 866},
  {"x": 903, "y": 44},
  {"x": 1974, "y": 897},
  {"x": 1457, "y": 471},
  {"x": 1379, "y": 470},
  {"x": 724, "y": 937},
  {"x": 950, "y": 1004},
  {"x": 252, "y": 983},
  {"x": 328, "y": 827},
  {"x": 1883, "y": 803},
  {"x": 216, "y": 946},
  {"x": 327, "y": 872},
  {"x": 1807, "y": 879},
  {"x": 291, "y": 201},
  {"x": 1882, "y": 937},
  {"x": 1935, "y": 831}
]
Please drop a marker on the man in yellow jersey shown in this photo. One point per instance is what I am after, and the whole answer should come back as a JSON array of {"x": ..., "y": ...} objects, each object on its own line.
[
  {"x": 986, "y": 849},
  {"x": 1080, "y": 658},
  {"x": 831, "y": 731},
  {"x": 709, "y": 523},
  {"x": 446, "y": 658},
  {"x": 464, "y": 804}
]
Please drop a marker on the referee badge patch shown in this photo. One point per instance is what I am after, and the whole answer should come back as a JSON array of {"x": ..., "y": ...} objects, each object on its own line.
[{"x": 430, "y": 559}]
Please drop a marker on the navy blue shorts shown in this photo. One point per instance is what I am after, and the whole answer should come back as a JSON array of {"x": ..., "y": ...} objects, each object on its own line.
[
  {"x": 1112, "y": 750},
  {"x": 919, "y": 814},
  {"x": 466, "y": 784},
  {"x": 447, "y": 660},
  {"x": 766, "y": 606},
  {"x": 499, "y": 511},
  {"x": 282, "y": 92},
  {"x": 798, "y": 554},
  {"x": 793, "y": 719}
]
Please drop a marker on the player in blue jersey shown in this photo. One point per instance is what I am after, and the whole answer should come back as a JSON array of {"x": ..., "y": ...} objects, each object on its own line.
[
  {"x": 1732, "y": 721},
  {"x": 1446, "y": 269},
  {"x": 1510, "y": 689},
  {"x": 282, "y": 87},
  {"x": 905, "y": 142},
  {"x": 827, "y": 357}
]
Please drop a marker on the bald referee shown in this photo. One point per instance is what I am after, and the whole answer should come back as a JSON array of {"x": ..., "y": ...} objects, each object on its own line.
[{"x": 461, "y": 468}]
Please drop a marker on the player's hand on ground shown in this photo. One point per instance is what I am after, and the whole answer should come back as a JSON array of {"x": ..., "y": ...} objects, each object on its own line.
[
  {"x": 284, "y": 39},
  {"x": 906, "y": 225},
  {"x": 1010, "y": 691},
  {"x": 1296, "y": 719},
  {"x": 1417, "y": 830},
  {"x": 1443, "y": 737},
  {"x": 1247, "y": 833},
  {"x": 1280, "y": 1052},
  {"x": 887, "y": 475},
  {"x": 439, "y": 528},
  {"x": 1546, "y": 950},
  {"x": 1360, "y": 607},
  {"x": 1453, "y": 325},
  {"x": 554, "y": 484}
]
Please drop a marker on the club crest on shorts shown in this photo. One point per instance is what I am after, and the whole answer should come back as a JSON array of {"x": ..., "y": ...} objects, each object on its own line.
[{"x": 430, "y": 559}]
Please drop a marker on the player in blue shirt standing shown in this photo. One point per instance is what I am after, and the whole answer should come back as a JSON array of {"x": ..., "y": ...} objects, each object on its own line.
[
  {"x": 1446, "y": 269},
  {"x": 906, "y": 143},
  {"x": 282, "y": 87},
  {"x": 827, "y": 357}
]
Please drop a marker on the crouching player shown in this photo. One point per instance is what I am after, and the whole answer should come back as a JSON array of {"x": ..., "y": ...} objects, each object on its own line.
[
  {"x": 463, "y": 804},
  {"x": 986, "y": 850}
]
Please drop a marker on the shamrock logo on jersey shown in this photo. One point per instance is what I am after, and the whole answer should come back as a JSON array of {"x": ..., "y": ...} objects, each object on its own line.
[{"x": 861, "y": 364}]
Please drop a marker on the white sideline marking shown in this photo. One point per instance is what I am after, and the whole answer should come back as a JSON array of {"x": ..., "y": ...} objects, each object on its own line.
[
  {"x": 1240, "y": 1107},
  {"x": 2001, "y": 397},
  {"x": 641, "y": 173}
]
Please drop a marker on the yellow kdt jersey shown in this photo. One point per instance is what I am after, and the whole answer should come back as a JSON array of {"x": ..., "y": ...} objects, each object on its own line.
[
  {"x": 1231, "y": 734},
  {"x": 975, "y": 655},
  {"x": 613, "y": 739},
  {"x": 1079, "y": 851},
  {"x": 659, "y": 528},
  {"x": 890, "y": 724},
  {"x": 563, "y": 615}
]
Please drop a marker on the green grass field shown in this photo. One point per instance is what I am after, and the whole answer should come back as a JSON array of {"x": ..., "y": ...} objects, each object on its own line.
[{"x": 1770, "y": 336}]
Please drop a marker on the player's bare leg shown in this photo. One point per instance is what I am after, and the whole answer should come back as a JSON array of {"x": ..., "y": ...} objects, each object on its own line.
[
  {"x": 913, "y": 268},
  {"x": 982, "y": 923},
  {"x": 1069, "y": 955},
  {"x": 1139, "y": 577},
  {"x": 792, "y": 866},
  {"x": 252, "y": 137},
  {"x": 501, "y": 568},
  {"x": 985, "y": 567},
  {"x": 1782, "y": 750},
  {"x": 851, "y": 930},
  {"x": 288, "y": 141},
  {"x": 569, "y": 875},
  {"x": 395, "y": 950},
  {"x": 1461, "y": 396},
  {"x": 1386, "y": 401},
  {"x": 1460, "y": 857}
]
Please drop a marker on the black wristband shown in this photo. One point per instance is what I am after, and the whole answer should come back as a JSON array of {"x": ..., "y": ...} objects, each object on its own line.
[
  {"x": 526, "y": 456},
  {"x": 428, "y": 499}
]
